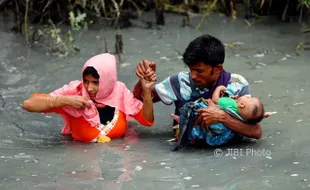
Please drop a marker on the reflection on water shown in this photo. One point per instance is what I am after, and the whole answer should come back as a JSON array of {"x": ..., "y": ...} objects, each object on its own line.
[{"x": 107, "y": 165}]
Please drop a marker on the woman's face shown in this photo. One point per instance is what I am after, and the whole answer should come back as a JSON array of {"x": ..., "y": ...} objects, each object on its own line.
[{"x": 91, "y": 85}]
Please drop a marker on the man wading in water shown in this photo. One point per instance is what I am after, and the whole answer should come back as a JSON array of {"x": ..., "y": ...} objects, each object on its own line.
[{"x": 204, "y": 56}]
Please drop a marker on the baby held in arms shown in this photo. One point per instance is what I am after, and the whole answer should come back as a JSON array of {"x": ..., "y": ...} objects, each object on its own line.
[
  {"x": 245, "y": 108},
  {"x": 249, "y": 108}
]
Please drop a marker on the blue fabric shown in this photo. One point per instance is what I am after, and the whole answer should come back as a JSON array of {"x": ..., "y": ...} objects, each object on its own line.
[
  {"x": 217, "y": 134},
  {"x": 169, "y": 92}
]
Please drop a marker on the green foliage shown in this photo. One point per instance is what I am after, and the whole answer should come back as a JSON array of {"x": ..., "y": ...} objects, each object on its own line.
[
  {"x": 57, "y": 42},
  {"x": 305, "y": 2},
  {"x": 76, "y": 13},
  {"x": 77, "y": 22}
]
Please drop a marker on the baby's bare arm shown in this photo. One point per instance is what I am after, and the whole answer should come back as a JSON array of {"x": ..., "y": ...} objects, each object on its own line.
[{"x": 217, "y": 93}]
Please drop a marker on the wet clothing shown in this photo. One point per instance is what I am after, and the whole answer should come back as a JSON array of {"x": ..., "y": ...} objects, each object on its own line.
[
  {"x": 113, "y": 123},
  {"x": 180, "y": 89},
  {"x": 218, "y": 134}
]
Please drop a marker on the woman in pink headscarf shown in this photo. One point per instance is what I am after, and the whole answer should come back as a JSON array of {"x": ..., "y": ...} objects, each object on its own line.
[{"x": 95, "y": 108}]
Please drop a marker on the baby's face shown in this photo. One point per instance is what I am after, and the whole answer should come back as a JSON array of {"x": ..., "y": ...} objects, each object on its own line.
[{"x": 249, "y": 107}]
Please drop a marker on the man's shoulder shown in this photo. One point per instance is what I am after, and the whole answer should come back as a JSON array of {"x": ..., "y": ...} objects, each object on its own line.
[
  {"x": 179, "y": 77},
  {"x": 174, "y": 86},
  {"x": 182, "y": 74},
  {"x": 238, "y": 85},
  {"x": 237, "y": 78}
]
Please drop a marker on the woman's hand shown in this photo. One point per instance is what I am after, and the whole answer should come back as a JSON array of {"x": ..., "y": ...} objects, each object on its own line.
[
  {"x": 77, "y": 102},
  {"x": 39, "y": 103},
  {"x": 149, "y": 81},
  {"x": 146, "y": 72},
  {"x": 145, "y": 69},
  {"x": 148, "y": 84}
]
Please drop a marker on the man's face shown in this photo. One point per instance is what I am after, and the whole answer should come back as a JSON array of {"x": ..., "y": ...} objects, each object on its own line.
[{"x": 203, "y": 75}]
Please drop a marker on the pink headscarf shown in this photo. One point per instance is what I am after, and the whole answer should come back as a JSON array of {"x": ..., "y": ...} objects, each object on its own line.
[{"x": 111, "y": 92}]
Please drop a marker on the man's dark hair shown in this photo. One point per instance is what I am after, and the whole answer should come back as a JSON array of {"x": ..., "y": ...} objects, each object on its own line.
[
  {"x": 206, "y": 49},
  {"x": 259, "y": 117},
  {"x": 92, "y": 71}
]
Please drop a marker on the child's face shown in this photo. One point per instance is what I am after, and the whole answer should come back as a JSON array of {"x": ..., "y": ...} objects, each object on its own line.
[{"x": 248, "y": 107}]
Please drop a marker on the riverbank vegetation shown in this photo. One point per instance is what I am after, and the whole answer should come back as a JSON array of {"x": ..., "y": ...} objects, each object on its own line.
[{"x": 40, "y": 19}]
